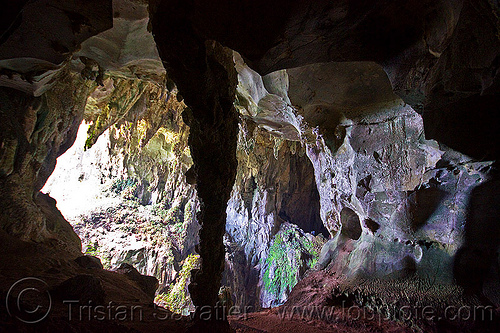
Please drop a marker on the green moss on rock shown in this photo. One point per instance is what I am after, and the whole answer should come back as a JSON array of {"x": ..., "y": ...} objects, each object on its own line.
[
  {"x": 177, "y": 298},
  {"x": 291, "y": 253}
]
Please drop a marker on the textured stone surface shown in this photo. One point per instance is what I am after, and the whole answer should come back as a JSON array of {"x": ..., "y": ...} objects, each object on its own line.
[
  {"x": 89, "y": 262},
  {"x": 448, "y": 52},
  {"x": 396, "y": 203},
  {"x": 128, "y": 48},
  {"x": 122, "y": 185},
  {"x": 85, "y": 288},
  {"x": 148, "y": 284},
  {"x": 37, "y": 130},
  {"x": 41, "y": 35},
  {"x": 205, "y": 74},
  {"x": 274, "y": 186}
]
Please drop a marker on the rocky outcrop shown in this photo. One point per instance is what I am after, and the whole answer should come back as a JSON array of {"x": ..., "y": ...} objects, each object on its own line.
[
  {"x": 446, "y": 53},
  {"x": 84, "y": 288},
  {"x": 148, "y": 284},
  {"x": 39, "y": 36},
  {"x": 368, "y": 105},
  {"x": 122, "y": 184},
  {"x": 204, "y": 72},
  {"x": 389, "y": 217},
  {"x": 37, "y": 130},
  {"x": 65, "y": 280},
  {"x": 127, "y": 49},
  {"x": 274, "y": 186},
  {"x": 89, "y": 262},
  {"x": 42, "y": 124}
]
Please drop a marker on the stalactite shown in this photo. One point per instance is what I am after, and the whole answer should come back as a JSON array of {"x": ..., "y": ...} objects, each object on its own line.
[{"x": 205, "y": 75}]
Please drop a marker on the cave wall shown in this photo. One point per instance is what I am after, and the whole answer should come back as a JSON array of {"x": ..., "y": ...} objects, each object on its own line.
[
  {"x": 411, "y": 211},
  {"x": 395, "y": 203},
  {"x": 437, "y": 60},
  {"x": 135, "y": 145},
  {"x": 274, "y": 188},
  {"x": 44, "y": 94},
  {"x": 122, "y": 185},
  {"x": 35, "y": 132},
  {"x": 363, "y": 83},
  {"x": 122, "y": 96}
]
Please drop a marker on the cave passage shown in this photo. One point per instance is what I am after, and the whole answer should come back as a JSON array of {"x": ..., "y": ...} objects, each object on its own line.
[
  {"x": 300, "y": 204},
  {"x": 318, "y": 156}
]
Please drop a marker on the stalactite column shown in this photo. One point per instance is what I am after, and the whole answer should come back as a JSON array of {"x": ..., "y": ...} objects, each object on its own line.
[{"x": 205, "y": 75}]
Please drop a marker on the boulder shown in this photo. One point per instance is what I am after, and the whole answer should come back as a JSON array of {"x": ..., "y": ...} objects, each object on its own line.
[
  {"x": 148, "y": 284},
  {"x": 85, "y": 288},
  {"x": 89, "y": 262}
]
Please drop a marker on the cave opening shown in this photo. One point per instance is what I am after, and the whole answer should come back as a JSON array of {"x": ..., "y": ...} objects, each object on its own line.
[
  {"x": 300, "y": 203},
  {"x": 351, "y": 226},
  {"x": 126, "y": 199},
  {"x": 124, "y": 190},
  {"x": 237, "y": 155}
]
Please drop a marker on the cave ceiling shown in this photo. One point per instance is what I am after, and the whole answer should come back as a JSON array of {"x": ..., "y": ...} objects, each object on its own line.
[
  {"x": 436, "y": 55},
  {"x": 395, "y": 104}
]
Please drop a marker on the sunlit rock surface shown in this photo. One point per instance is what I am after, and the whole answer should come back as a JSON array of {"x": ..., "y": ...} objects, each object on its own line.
[
  {"x": 373, "y": 124},
  {"x": 128, "y": 48},
  {"x": 122, "y": 183},
  {"x": 394, "y": 203}
]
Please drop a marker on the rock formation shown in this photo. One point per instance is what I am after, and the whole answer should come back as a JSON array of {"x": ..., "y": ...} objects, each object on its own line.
[{"x": 309, "y": 152}]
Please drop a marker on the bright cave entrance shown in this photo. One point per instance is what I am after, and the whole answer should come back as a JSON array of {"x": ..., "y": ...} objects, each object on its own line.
[
  {"x": 129, "y": 204},
  {"x": 127, "y": 197}
]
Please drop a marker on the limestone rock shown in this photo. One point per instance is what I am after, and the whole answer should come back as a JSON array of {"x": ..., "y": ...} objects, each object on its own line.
[
  {"x": 148, "y": 284},
  {"x": 89, "y": 262},
  {"x": 85, "y": 288}
]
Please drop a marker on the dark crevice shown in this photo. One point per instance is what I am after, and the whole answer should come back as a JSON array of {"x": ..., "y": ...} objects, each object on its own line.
[{"x": 351, "y": 226}]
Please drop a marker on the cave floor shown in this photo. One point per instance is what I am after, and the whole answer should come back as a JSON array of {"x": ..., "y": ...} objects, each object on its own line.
[
  {"x": 53, "y": 266},
  {"x": 276, "y": 321}
]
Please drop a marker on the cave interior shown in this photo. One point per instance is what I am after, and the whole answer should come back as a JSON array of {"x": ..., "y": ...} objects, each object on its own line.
[{"x": 190, "y": 158}]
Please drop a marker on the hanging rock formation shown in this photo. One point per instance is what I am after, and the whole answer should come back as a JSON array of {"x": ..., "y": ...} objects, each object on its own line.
[{"x": 373, "y": 123}]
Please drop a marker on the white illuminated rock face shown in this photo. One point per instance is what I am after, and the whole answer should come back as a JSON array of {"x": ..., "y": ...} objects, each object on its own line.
[
  {"x": 128, "y": 48},
  {"x": 370, "y": 157},
  {"x": 81, "y": 177}
]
